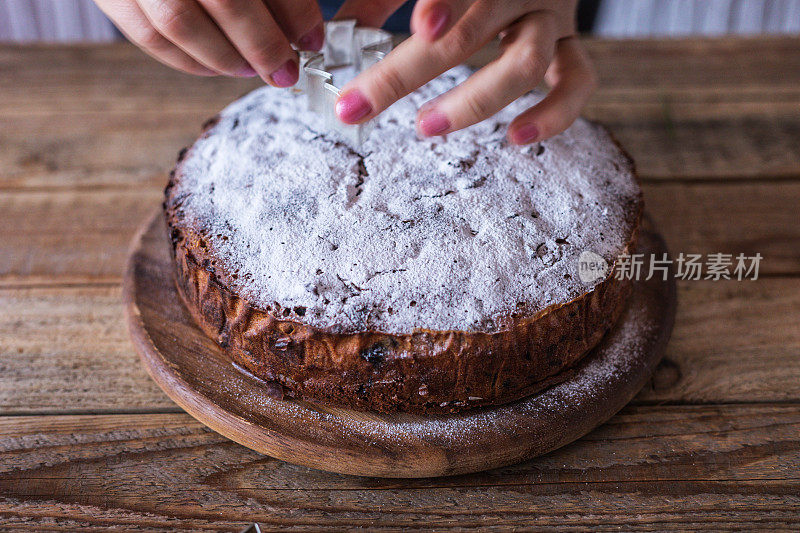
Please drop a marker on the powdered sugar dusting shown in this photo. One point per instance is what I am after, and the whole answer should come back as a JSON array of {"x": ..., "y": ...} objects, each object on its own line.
[{"x": 405, "y": 233}]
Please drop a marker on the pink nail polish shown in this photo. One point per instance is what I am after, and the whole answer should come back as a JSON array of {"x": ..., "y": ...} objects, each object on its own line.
[
  {"x": 287, "y": 75},
  {"x": 246, "y": 72},
  {"x": 438, "y": 18},
  {"x": 312, "y": 40},
  {"x": 433, "y": 123},
  {"x": 352, "y": 107},
  {"x": 525, "y": 134}
]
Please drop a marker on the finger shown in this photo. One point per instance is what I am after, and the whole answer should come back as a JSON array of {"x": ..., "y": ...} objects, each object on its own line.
[
  {"x": 371, "y": 13},
  {"x": 573, "y": 80},
  {"x": 433, "y": 18},
  {"x": 132, "y": 22},
  {"x": 415, "y": 62},
  {"x": 301, "y": 22},
  {"x": 527, "y": 49},
  {"x": 257, "y": 37},
  {"x": 189, "y": 28}
]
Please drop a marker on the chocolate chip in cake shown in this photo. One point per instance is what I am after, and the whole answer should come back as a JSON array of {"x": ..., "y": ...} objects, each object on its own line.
[{"x": 379, "y": 351}]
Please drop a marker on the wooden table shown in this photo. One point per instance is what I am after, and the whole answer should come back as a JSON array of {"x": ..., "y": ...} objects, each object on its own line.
[{"x": 87, "y": 135}]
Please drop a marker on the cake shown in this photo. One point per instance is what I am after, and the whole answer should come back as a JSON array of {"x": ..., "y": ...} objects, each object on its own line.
[{"x": 417, "y": 275}]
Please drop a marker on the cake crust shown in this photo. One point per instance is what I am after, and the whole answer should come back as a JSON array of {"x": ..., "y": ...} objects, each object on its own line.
[
  {"x": 425, "y": 371},
  {"x": 421, "y": 372},
  {"x": 417, "y": 371}
]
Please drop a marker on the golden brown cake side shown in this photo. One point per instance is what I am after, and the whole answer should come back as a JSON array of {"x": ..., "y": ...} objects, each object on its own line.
[
  {"x": 328, "y": 359},
  {"x": 424, "y": 371}
]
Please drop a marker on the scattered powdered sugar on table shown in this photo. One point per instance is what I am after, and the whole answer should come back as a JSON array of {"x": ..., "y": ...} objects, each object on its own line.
[{"x": 404, "y": 233}]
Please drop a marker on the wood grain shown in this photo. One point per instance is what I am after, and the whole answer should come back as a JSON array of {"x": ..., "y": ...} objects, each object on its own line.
[
  {"x": 86, "y": 151},
  {"x": 700, "y": 140},
  {"x": 70, "y": 236},
  {"x": 67, "y": 349},
  {"x": 122, "y": 76},
  {"x": 651, "y": 467},
  {"x": 123, "y": 79},
  {"x": 70, "y": 114},
  {"x": 733, "y": 218},
  {"x": 733, "y": 342}
]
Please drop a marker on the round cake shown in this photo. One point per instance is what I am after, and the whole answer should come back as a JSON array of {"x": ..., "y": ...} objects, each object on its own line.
[{"x": 407, "y": 274}]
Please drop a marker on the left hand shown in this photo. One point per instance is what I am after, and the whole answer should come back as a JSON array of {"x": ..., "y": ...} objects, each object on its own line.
[{"x": 537, "y": 42}]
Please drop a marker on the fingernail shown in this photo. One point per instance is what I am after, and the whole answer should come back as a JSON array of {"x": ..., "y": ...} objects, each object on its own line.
[
  {"x": 203, "y": 71},
  {"x": 246, "y": 72},
  {"x": 352, "y": 107},
  {"x": 438, "y": 17},
  {"x": 525, "y": 134},
  {"x": 433, "y": 123},
  {"x": 312, "y": 40},
  {"x": 287, "y": 75}
]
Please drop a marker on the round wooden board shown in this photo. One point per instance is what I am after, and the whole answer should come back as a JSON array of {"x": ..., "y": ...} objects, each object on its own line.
[{"x": 195, "y": 373}]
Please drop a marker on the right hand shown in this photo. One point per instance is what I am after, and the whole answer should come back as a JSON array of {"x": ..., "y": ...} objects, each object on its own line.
[{"x": 241, "y": 38}]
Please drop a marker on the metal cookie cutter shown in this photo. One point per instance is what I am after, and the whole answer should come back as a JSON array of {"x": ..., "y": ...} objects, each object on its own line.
[{"x": 346, "y": 46}]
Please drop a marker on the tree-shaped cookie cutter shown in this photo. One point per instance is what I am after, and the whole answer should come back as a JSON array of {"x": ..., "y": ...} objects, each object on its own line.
[{"x": 345, "y": 46}]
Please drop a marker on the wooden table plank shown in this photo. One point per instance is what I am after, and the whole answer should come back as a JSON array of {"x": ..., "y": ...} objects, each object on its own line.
[
  {"x": 70, "y": 236},
  {"x": 711, "y": 63},
  {"x": 94, "y": 149},
  {"x": 732, "y": 342},
  {"x": 650, "y": 467},
  {"x": 82, "y": 236},
  {"x": 69, "y": 115},
  {"x": 733, "y": 218},
  {"x": 633, "y": 66},
  {"x": 674, "y": 148},
  {"x": 66, "y": 349}
]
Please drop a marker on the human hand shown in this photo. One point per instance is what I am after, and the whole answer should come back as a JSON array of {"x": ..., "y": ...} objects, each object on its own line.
[
  {"x": 242, "y": 38},
  {"x": 537, "y": 42}
]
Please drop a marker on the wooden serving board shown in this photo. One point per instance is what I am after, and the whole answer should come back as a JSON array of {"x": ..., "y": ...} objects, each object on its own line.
[{"x": 197, "y": 375}]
